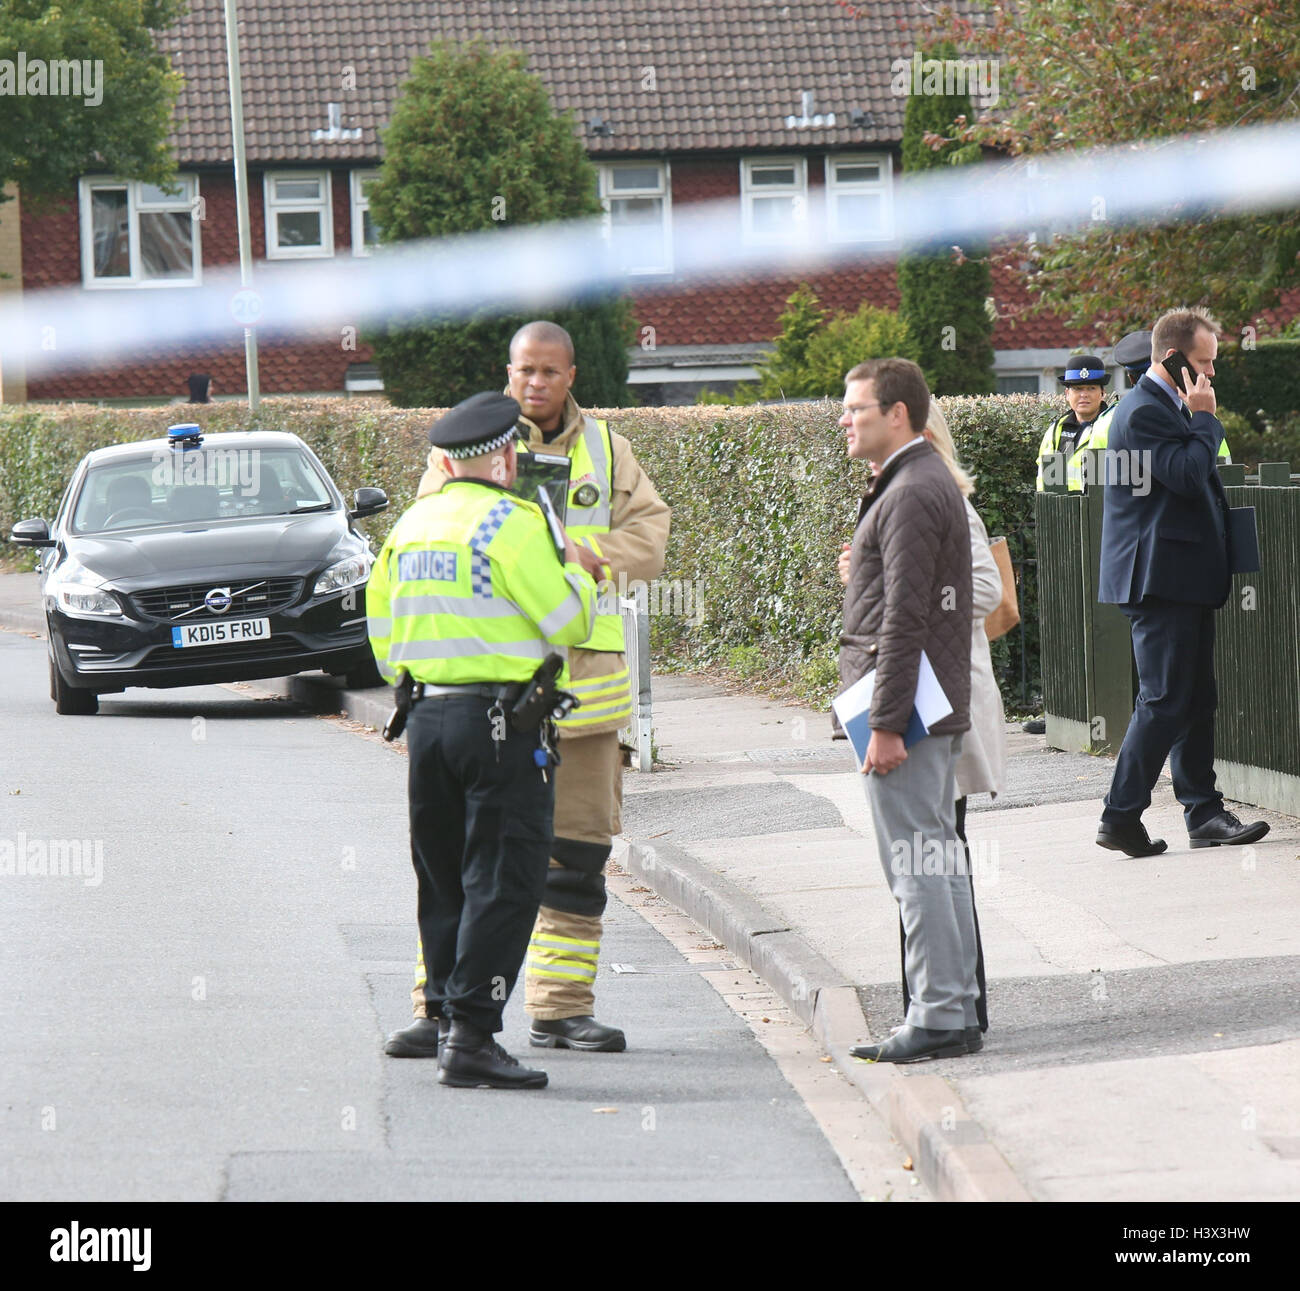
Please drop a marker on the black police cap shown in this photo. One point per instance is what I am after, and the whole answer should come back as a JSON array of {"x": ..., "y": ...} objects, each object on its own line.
[
  {"x": 1085, "y": 370},
  {"x": 1134, "y": 351},
  {"x": 476, "y": 425}
]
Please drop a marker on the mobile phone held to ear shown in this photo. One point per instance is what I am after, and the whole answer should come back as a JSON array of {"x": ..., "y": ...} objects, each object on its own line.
[{"x": 1176, "y": 365}]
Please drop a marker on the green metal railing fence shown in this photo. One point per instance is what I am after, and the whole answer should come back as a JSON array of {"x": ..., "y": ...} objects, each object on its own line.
[{"x": 1088, "y": 680}]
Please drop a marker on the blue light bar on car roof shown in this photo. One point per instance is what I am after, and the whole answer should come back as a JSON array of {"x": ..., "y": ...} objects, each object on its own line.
[{"x": 185, "y": 435}]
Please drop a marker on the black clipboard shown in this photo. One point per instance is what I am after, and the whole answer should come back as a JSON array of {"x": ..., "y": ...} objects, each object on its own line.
[
  {"x": 544, "y": 471},
  {"x": 1243, "y": 541}
]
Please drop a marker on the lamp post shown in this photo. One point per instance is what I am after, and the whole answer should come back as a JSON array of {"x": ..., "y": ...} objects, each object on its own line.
[{"x": 241, "y": 203}]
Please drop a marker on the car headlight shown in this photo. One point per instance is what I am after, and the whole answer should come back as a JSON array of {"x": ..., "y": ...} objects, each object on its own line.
[
  {"x": 81, "y": 593},
  {"x": 78, "y": 598},
  {"x": 346, "y": 573}
]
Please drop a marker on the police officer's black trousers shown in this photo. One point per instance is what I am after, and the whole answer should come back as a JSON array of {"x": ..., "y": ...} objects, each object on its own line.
[{"x": 480, "y": 844}]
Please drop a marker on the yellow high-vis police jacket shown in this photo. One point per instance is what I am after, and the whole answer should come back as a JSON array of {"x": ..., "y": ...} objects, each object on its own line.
[
  {"x": 626, "y": 525},
  {"x": 468, "y": 589}
]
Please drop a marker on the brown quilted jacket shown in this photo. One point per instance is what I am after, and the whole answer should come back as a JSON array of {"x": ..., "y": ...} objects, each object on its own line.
[{"x": 909, "y": 590}]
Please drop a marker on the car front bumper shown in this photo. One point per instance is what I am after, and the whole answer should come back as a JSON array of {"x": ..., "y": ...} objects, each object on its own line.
[{"x": 112, "y": 653}]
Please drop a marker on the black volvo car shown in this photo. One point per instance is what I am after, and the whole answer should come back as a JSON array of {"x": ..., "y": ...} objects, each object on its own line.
[{"x": 188, "y": 560}]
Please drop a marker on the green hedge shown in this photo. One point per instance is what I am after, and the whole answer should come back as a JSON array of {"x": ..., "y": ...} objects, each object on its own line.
[
  {"x": 762, "y": 498},
  {"x": 1262, "y": 384}
]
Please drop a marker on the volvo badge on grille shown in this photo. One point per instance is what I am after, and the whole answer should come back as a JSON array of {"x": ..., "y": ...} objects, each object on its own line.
[{"x": 218, "y": 600}]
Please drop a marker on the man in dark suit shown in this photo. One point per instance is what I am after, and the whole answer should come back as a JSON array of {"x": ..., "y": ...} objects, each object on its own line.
[{"x": 1165, "y": 563}]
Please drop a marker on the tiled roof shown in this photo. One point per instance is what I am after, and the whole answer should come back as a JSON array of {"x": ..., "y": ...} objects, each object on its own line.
[{"x": 668, "y": 76}]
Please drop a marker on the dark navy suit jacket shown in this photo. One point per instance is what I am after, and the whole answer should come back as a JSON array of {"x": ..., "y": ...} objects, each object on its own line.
[{"x": 1172, "y": 542}]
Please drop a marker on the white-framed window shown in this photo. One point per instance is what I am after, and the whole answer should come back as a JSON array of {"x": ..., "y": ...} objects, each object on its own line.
[
  {"x": 860, "y": 197},
  {"x": 773, "y": 198},
  {"x": 299, "y": 214},
  {"x": 365, "y": 232},
  {"x": 135, "y": 235},
  {"x": 637, "y": 197}
]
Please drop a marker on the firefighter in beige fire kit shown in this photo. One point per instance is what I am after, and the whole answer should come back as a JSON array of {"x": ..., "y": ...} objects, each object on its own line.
[{"x": 620, "y": 526}]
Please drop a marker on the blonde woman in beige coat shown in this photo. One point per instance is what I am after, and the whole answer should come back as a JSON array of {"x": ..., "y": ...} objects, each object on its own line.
[{"x": 981, "y": 767}]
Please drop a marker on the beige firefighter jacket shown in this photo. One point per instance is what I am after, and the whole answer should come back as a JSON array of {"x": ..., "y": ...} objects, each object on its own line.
[{"x": 634, "y": 546}]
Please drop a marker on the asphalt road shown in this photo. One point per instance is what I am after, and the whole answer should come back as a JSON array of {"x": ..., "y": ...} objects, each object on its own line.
[{"x": 198, "y": 1012}]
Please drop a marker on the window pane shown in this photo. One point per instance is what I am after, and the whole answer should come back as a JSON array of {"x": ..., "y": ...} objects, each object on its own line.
[
  {"x": 166, "y": 244},
  {"x": 297, "y": 190},
  {"x": 772, "y": 214},
  {"x": 298, "y": 228},
  {"x": 858, "y": 173},
  {"x": 624, "y": 177},
  {"x": 111, "y": 233},
  {"x": 366, "y": 185},
  {"x": 636, "y": 232},
  {"x": 154, "y": 196},
  {"x": 1018, "y": 385},
  {"x": 772, "y": 175},
  {"x": 860, "y": 212},
  {"x": 369, "y": 230}
]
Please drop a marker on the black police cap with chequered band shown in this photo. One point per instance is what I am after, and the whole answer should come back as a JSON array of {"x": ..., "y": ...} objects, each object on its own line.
[{"x": 477, "y": 425}]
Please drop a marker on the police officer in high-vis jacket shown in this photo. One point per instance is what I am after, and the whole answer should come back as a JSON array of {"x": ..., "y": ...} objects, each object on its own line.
[
  {"x": 467, "y": 599},
  {"x": 620, "y": 525},
  {"x": 1085, "y": 381}
]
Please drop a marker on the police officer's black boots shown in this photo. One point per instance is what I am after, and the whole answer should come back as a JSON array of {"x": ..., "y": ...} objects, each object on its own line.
[
  {"x": 471, "y": 1059},
  {"x": 419, "y": 1040}
]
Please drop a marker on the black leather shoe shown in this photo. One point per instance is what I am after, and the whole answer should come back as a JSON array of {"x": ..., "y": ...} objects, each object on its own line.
[
  {"x": 1132, "y": 839},
  {"x": 1226, "y": 830},
  {"x": 471, "y": 1059},
  {"x": 419, "y": 1040},
  {"x": 915, "y": 1044},
  {"x": 974, "y": 1039},
  {"x": 576, "y": 1033}
]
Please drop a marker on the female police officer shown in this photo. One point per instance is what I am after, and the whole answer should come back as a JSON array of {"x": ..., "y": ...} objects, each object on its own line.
[{"x": 468, "y": 597}]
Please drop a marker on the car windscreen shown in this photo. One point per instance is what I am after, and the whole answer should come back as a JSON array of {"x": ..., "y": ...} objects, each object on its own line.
[{"x": 197, "y": 484}]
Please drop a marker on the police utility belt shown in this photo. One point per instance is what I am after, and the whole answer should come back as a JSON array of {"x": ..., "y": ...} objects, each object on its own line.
[{"x": 534, "y": 705}]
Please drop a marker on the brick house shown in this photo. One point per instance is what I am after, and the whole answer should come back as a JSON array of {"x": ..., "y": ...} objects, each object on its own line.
[{"x": 769, "y": 104}]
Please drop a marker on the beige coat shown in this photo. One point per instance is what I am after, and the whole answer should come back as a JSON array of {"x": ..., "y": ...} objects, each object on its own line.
[
  {"x": 981, "y": 768},
  {"x": 634, "y": 545}
]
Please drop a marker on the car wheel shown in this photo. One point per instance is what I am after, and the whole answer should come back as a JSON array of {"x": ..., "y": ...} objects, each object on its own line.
[
  {"x": 69, "y": 700},
  {"x": 364, "y": 675}
]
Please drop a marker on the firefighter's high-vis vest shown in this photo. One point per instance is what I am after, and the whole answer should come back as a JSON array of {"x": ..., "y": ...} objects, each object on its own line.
[
  {"x": 606, "y": 697},
  {"x": 468, "y": 589}
]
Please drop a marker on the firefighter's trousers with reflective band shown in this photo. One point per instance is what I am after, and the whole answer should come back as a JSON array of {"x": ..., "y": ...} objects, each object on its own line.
[
  {"x": 561, "y": 967},
  {"x": 560, "y": 974},
  {"x": 480, "y": 835}
]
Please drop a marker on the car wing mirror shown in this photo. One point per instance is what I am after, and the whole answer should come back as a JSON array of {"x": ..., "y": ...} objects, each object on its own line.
[
  {"x": 36, "y": 533},
  {"x": 367, "y": 502}
]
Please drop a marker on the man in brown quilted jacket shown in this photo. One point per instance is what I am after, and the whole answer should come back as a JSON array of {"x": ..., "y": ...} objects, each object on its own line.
[{"x": 909, "y": 591}]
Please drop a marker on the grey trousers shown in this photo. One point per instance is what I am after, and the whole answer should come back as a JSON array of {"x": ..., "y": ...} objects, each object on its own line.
[{"x": 913, "y": 808}]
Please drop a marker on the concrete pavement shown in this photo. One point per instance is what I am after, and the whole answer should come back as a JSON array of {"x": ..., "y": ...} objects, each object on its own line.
[{"x": 1145, "y": 1014}]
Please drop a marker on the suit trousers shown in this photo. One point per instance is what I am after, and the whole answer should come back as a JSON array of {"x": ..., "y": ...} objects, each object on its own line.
[
  {"x": 1173, "y": 645},
  {"x": 981, "y": 999},
  {"x": 481, "y": 818},
  {"x": 913, "y": 809}
]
